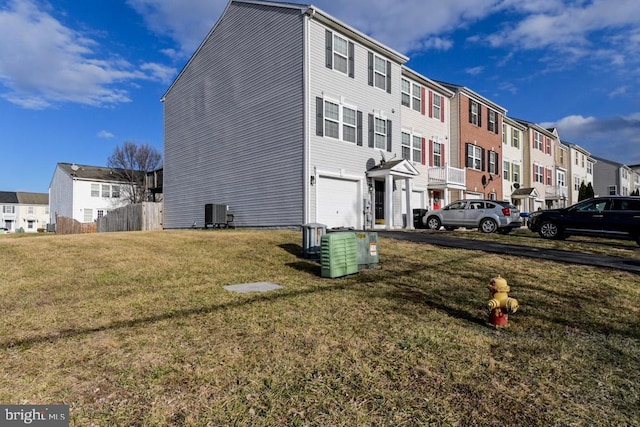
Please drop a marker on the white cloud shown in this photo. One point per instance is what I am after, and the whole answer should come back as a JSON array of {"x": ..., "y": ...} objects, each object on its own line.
[
  {"x": 105, "y": 134},
  {"x": 44, "y": 62},
  {"x": 474, "y": 71}
]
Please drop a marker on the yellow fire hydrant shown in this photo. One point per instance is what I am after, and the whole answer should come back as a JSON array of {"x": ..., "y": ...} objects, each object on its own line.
[{"x": 501, "y": 305}]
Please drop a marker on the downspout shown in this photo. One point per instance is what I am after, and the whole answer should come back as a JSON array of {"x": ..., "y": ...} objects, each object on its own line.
[{"x": 306, "y": 148}]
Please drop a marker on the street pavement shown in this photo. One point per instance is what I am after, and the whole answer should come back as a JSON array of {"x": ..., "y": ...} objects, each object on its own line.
[{"x": 569, "y": 257}]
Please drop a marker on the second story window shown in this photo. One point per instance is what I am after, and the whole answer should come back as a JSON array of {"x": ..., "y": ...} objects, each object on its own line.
[
  {"x": 438, "y": 152},
  {"x": 380, "y": 133},
  {"x": 561, "y": 179},
  {"x": 504, "y": 133},
  {"x": 549, "y": 175},
  {"x": 30, "y": 210},
  {"x": 506, "y": 170},
  {"x": 516, "y": 173},
  {"x": 106, "y": 190},
  {"x": 8, "y": 209},
  {"x": 590, "y": 168},
  {"x": 406, "y": 93},
  {"x": 538, "y": 174},
  {"x": 115, "y": 191},
  {"x": 475, "y": 155},
  {"x": 411, "y": 95},
  {"x": 437, "y": 106},
  {"x": 515, "y": 138},
  {"x": 493, "y": 162},
  {"x": 95, "y": 190},
  {"x": 411, "y": 147},
  {"x": 339, "y": 121}
]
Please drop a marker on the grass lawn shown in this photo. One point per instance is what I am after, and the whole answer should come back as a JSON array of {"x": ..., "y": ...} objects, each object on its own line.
[{"x": 135, "y": 329}]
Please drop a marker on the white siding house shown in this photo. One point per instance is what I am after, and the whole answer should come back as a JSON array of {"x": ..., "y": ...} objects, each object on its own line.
[
  {"x": 21, "y": 211},
  {"x": 289, "y": 116},
  {"x": 84, "y": 193}
]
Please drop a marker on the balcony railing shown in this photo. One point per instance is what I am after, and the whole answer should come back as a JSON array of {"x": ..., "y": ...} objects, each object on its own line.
[
  {"x": 555, "y": 192},
  {"x": 447, "y": 175}
]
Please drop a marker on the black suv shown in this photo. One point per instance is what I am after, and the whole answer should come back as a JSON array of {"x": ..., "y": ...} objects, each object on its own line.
[{"x": 615, "y": 217}]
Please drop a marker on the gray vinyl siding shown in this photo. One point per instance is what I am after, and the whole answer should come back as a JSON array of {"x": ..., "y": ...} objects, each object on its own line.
[
  {"x": 455, "y": 160},
  {"x": 60, "y": 195},
  {"x": 340, "y": 157},
  {"x": 234, "y": 122}
]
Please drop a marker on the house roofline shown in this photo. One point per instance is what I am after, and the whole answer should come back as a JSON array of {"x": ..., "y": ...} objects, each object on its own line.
[
  {"x": 473, "y": 94},
  {"x": 426, "y": 81}
]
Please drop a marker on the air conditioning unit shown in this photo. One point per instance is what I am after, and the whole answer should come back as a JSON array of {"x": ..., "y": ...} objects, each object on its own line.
[{"x": 216, "y": 215}]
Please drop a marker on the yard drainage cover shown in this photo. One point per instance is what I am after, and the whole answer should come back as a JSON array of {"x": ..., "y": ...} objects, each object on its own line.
[{"x": 253, "y": 287}]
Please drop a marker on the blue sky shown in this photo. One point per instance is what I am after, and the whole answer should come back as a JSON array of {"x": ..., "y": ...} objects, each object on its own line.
[{"x": 78, "y": 77}]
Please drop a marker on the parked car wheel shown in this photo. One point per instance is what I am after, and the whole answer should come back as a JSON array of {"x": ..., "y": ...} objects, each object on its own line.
[
  {"x": 504, "y": 230},
  {"x": 550, "y": 230},
  {"x": 433, "y": 222},
  {"x": 488, "y": 225}
]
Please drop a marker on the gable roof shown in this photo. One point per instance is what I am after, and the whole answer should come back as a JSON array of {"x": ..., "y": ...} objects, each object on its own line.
[
  {"x": 33, "y": 198},
  {"x": 313, "y": 13},
  {"x": 470, "y": 93},
  {"x": 8, "y": 197},
  {"x": 94, "y": 173}
]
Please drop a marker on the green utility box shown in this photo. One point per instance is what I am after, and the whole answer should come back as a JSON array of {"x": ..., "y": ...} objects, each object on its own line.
[
  {"x": 338, "y": 254},
  {"x": 367, "y": 243}
]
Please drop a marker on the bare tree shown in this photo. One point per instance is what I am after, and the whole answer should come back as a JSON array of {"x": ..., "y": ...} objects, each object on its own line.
[{"x": 132, "y": 162}]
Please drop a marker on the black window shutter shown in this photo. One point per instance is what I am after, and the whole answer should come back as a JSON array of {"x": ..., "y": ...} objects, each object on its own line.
[
  {"x": 488, "y": 118},
  {"x": 370, "y": 68},
  {"x": 469, "y": 163},
  {"x": 351, "y": 60},
  {"x": 371, "y": 142},
  {"x": 498, "y": 168},
  {"x": 470, "y": 111},
  {"x": 389, "y": 135},
  {"x": 319, "y": 117},
  {"x": 389, "y": 78},
  {"x": 480, "y": 116},
  {"x": 328, "y": 39},
  {"x": 359, "y": 129}
]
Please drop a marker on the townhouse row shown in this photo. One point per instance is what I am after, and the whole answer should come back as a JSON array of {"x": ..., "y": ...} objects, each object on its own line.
[
  {"x": 290, "y": 116},
  {"x": 24, "y": 212}
]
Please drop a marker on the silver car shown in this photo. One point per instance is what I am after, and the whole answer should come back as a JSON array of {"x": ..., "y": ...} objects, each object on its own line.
[{"x": 486, "y": 215}]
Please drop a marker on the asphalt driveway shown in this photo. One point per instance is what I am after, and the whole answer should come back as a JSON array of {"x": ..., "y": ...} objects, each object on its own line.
[{"x": 569, "y": 257}]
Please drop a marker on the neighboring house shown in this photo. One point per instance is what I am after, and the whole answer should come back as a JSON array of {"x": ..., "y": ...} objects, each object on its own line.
[
  {"x": 289, "y": 116},
  {"x": 561, "y": 187},
  {"x": 635, "y": 178},
  {"x": 581, "y": 166},
  {"x": 426, "y": 140},
  {"x": 611, "y": 178},
  {"x": 539, "y": 168},
  {"x": 512, "y": 159},
  {"x": 85, "y": 193},
  {"x": 476, "y": 142},
  {"x": 22, "y": 211}
]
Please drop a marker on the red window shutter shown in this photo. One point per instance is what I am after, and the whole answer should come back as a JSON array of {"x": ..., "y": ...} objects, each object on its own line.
[
  {"x": 430, "y": 152},
  {"x": 442, "y": 110},
  {"x": 424, "y": 151},
  {"x": 424, "y": 101},
  {"x": 442, "y": 151},
  {"x": 430, "y": 104}
]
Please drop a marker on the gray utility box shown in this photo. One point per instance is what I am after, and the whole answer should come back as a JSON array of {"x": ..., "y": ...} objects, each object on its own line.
[
  {"x": 368, "y": 250},
  {"x": 215, "y": 215},
  {"x": 312, "y": 239}
]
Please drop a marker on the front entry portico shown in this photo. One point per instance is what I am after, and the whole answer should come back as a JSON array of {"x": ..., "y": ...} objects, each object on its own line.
[{"x": 382, "y": 184}]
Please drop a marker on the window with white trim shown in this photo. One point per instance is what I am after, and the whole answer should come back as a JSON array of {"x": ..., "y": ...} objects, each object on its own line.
[
  {"x": 492, "y": 123},
  {"x": 561, "y": 179},
  {"x": 538, "y": 174},
  {"x": 538, "y": 141},
  {"x": 504, "y": 133},
  {"x": 380, "y": 72},
  {"x": 380, "y": 133},
  {"x": 100, "y": 213},
  {"x": 115, "y": 191},
  {"x": 95, "y": 190},
  {"x": 411, "y": 147},
  {"x": 31, "y": 210},
  {"x": 549, "y": 176},
  {"x": 437, "y": 106},
  {"x": 88, "y": 215},
  {"x": 106, "y": 190},
  {"x": 406, "y": 145},
  {"x": 339, "y": 121},
  {"x": 8, "y": 209},
  {"x": 515, "y": 138},
  {"x": 474, "y": 113},
  {"x": 437, "y": 154},
  {"x": 576, "y": 183},
  {"x": 516, "y": 172},
  {"x": 590, "y": 168},
  {"x": 493, "y": 162},
  {"x": 406, "y": 93},
  {"x": 416, "y": 97},
  {"x": 613, "y": 190},
  {"x": 340, "y": 54},
  {"x": 506, "y": 169},
  {"x": 474, "y": 159}
]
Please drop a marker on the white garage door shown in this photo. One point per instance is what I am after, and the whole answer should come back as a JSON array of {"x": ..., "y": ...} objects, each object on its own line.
[{"x": 338, "y": 202}]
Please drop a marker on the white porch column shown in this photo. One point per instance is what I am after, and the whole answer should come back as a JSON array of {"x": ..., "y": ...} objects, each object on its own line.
[
  {"x": 408, "y": 187},
  {"x": 388, "y": 201}
]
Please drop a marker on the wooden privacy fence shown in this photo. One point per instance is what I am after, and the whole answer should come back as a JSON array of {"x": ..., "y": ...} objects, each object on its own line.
[
  {"x": 65, "y": 225},
  {"x": 139, "y": 217}
]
